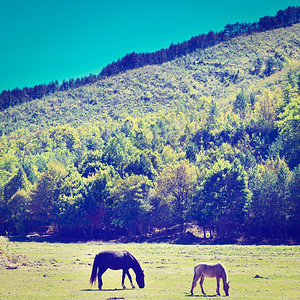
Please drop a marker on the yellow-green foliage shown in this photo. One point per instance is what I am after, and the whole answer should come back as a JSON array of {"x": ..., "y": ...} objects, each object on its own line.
[
  {"x": 220, "y": 72},
  {"x": 221, "y": 112}
]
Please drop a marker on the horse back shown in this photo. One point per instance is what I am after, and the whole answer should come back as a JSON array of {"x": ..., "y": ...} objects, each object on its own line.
[
  {"x": 114, "y": 260},
  {"x": 209, "y": 271}
]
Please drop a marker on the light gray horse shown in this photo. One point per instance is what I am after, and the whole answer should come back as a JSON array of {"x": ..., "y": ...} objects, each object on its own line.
[{"x": 210, "y": 271}]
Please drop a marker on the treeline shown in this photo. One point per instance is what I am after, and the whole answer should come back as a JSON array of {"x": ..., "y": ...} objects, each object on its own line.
[
  {"x": 234, "y": 171},
  {"x": 283, "y": 18},
  {"x": 133, "y": 60},
  {"x": 18, "y": 96}
]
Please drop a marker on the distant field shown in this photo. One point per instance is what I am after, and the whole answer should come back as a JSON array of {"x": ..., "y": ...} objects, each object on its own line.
[{"x": 62, "y": 271}]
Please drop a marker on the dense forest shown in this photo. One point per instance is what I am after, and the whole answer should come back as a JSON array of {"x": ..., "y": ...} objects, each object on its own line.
[
  {"x": 210, "y": 138},
  {"x": 283, "y": 18}
]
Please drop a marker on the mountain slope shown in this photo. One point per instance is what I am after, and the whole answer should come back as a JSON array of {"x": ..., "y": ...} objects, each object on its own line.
[
  {"x": 211, "y": 137},
  {"x": 283, "y": 18},
  {"x": 222, "y": 71}
]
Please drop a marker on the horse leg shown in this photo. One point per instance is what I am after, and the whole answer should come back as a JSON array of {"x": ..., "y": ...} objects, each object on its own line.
[
  {"x": 195, "y": 279},
  {"x": 218, "y": 286},
  {"x": 130, "y": 279},
  {"x": 123, "y": 279},
  {"x": 201, "y": 284},
  {"x": 100, "y": 273},
  {"x": 126, "y": 272}
]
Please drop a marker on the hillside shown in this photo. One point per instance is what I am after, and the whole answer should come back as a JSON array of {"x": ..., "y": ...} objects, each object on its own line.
[
  {"x": 283, "y": 18},
  {"x": 220, "y": 72},
  {"x": 211, "y": 138}
]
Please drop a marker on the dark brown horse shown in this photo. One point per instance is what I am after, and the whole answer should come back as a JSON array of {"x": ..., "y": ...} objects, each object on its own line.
[
  {"x": 210, "y": 271},
  {"x": 117, "y": 260}
]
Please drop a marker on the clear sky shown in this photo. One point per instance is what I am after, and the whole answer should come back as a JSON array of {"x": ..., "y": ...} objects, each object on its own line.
[{"x": 48, "y": 40}]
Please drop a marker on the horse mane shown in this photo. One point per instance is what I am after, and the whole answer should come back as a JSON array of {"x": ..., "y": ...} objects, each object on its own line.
[
  {"x": 136, "y": 266},
  {"x": 224, "y": 272}
]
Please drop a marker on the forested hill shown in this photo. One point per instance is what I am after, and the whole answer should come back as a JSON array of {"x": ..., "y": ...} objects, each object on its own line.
[
  {"x": 247, "y": 64},
  {"x": 283, "y": 18},
  {"x": 211, "y": 137}
]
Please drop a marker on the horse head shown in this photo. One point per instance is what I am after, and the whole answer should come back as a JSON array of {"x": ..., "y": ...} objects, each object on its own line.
[
  {"x": 226, "y": 288},
  {"x": 140, "y": 279}
]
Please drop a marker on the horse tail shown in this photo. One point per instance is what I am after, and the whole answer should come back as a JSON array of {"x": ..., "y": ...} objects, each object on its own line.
[{"x": 94, "y": 270}]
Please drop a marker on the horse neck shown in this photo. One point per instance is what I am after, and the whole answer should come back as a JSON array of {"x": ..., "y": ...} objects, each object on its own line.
[
  {"x": 224, "y": 276},
  {"x": 135, "y": 265}
]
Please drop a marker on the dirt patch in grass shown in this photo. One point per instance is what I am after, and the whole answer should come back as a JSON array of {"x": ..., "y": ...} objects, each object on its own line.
[
  {"x": 9, "y": 261},
  {"x": 12, "y": 261}
]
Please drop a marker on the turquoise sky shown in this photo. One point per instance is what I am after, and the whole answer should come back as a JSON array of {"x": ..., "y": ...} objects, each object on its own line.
[{"x": 45, "y": 40}]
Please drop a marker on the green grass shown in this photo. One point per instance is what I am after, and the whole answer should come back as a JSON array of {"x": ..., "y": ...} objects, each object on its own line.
[{"x": 62, "y": 271}]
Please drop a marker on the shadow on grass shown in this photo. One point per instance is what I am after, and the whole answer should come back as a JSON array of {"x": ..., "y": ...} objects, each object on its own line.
[
  {"x": 104, "y": 290},
  {"x": 183, "y": 240},
  {"x": 45, "y": 238},
  {"x": 203, "y": 296}
]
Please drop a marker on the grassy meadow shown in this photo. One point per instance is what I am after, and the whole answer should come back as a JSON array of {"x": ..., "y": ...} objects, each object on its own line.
[{"x": 42, "y": 270}]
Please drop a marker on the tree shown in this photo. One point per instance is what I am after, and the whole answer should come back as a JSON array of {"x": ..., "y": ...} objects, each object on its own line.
[
  {"x": 8, "y": 163},
  {"x": 95, "y": 208},
  {"x": 175, "y": 186},
  {"x": 141, "y": 165},
  {"x": 169, "y": 155},
  {"x": 20, "y": 215},
  {"x": 15, "y": 201},
  {"x": 128, "y": 125},
  {"x": 15, "y": 183},
  {"x": 294, "y": 220},
  {"x": 91, "y": 163},
  {"x": 258, "y": 66},
  {"x": 240, "y": 103},
  {"x": 130, "y": 206},
  {"x": 270, "y": 208},
  {"x": 288, "y": 124},
  {"x": 66, "y": 134},
  {"x": 30, "y": 170},
  {"x": 118, "y": 152},
  {"x": 284, "y": 179},
  {"x": 271, "y": 66},
  {"x": 265, "y": 109},
  {"x": 213, "y": 113},
  {"x": 45, "y": 195},
  {"x": 224, "y": 197},
  {"x": 93, "y": 138},
  {"x": 191, "y": 152},
  {"x": 143, "y": 138}
]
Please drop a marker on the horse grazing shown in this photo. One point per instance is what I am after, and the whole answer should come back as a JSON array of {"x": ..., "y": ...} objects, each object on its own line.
[
  {"x": 117, "y": 260},
  {"x": 210, "y": 271}
]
